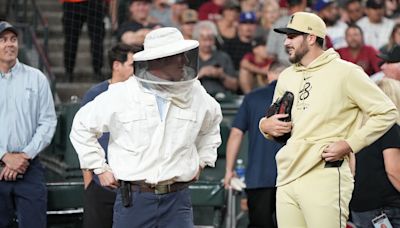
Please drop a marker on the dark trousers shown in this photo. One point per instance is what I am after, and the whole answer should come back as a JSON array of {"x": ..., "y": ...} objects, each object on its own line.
[
  {"x": 27, "y": 198},
  {"x": 75, "y": 14},
  {"x": 261, "y": 203},
  {"x": 98, "y": 206},
  {"x": 149, "y": 210}
]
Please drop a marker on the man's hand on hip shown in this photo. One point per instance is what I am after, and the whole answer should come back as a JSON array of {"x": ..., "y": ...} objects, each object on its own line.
[
  {"x": 18, "y": 162},
  {"x": 107, "y": 179},
  {"x": 336, "y": 151}
]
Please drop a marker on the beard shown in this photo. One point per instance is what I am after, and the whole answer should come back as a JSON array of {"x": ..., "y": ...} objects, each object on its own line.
[{"x": 299, "y": 53}]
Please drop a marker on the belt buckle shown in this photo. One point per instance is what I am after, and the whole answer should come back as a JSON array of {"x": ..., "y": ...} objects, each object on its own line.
[{"x": 162, "y": 189}]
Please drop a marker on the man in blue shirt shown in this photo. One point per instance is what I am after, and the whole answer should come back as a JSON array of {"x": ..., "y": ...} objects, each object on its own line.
[
  {"x": 28, "y": 122},
  {"x": 261, "y": 168},
  {"x": 99, "y": 201}
]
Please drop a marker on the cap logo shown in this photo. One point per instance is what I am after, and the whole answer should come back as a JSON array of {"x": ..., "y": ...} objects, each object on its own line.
[
  {"x": 291, "y": 19},
  {"x": 309, "y": 28}
]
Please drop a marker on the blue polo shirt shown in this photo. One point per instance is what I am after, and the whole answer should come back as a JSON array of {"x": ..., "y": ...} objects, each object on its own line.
[{"x": 261, "y": 166}]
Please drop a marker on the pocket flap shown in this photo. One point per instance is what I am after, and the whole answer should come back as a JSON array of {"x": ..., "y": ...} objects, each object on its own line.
[{"x": 186, "y": 115}]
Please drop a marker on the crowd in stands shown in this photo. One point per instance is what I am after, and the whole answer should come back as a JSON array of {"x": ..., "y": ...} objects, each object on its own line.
[{"x": 239, "y": 47}]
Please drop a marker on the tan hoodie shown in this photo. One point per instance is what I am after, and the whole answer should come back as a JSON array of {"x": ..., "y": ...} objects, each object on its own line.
[{"x": 330, "y": 96}]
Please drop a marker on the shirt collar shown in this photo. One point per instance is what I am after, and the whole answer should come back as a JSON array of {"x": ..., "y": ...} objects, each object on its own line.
[{"x": 13, "y": 69}]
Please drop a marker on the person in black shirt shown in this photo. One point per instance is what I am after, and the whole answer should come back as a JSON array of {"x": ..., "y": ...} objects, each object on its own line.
[{"x": 377, "y": 178}]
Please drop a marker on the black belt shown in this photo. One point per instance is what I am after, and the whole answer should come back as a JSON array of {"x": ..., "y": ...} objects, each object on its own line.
[{"x": 158, "y": 189}]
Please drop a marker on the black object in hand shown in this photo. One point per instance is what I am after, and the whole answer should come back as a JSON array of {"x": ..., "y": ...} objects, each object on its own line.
[{"x": 282, "y": 106}]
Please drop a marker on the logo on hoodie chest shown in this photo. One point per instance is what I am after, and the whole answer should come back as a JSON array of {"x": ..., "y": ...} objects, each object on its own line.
[{"x": 304, "y": 94}]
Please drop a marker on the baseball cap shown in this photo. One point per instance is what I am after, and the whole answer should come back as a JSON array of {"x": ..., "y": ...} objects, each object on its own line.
[
  {"x": 231, "y": 6},
  {"x": 189, "y": 16},
  {"x": 5, "y": 26},
  {"x": 303, "y": 22},
  {"x": 322, "y": 4},
  {"x": 375, "y": 4},
  {"x": 247, "y": 17},
  {"x": 393, "y": 56}
]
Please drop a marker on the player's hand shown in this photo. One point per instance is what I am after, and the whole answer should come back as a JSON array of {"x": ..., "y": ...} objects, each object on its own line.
[
  {"x": 275, "y": 127},
  {"x": 336, "y": 151}
]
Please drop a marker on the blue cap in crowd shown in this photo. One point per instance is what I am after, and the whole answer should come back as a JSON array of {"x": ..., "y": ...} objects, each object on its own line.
[
  {"x": 322, "y": 4},
  {"x": 247, "y": 17}
]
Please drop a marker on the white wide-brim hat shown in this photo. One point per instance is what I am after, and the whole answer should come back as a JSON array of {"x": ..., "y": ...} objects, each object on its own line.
[{"x": 164, "y": 42}]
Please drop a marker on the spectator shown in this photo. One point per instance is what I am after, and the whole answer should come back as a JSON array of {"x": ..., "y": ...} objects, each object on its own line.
[
  {"x": 99, "y": 201},
  {"x": 394, "y": 39},
  {"x": 329, "y": 12},
  {"x": 325, "y": 132},
  {"x": 379, "y": 162},
  {"x": 138, "y": 18},
  {"x": 160, "y": 12},
  {"x": 375, "y": 26},
  {"x": 134, "y": 38},
  {"x": 28, "y": 123},
  {"x": 228, "y": 24},
  {"x": 391, "y": 65},
  {"x": 269, "y": 14},
  {"x": 75, "y": 13},
  {"x": 216, "y": 71},
  {"x": 261, "y": 166},
  {"x": 250, "y": 6},
  {"x": 275, "y": 48},
  {"x": 188, "y": 19},
  {"x": 164, "y": 130},
  {"x": 357, "y": 52},
  {"x": 241, "y": 44},
  {"x": 254, "y": 67},
  {"x": 211, "y": 10},
  {"x": 354, "y": 10},
  {"x": 177, "y": 8}
]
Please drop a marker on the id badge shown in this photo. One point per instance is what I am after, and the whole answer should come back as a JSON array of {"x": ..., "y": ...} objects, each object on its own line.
[{"x": 381, "y": 221}]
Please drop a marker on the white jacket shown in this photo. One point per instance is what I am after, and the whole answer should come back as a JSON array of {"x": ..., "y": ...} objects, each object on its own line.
[{"x": 141, "y": 146}]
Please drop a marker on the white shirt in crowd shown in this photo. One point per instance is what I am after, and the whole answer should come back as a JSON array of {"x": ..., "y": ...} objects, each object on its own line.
[{"x": 376, "y": 35}]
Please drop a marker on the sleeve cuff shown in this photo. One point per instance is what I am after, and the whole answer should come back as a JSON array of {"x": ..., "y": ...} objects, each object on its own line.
[
  {"x": 102, "y": 169},
  {"x": 356, "y": 144},
  {"x": 267, "y": 136}
]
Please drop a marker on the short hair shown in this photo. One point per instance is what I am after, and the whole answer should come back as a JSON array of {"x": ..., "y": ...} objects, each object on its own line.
[
  {"x": 354, "y": 26},
  {"x": 204, "y": 25},
  {"x": 350, "y": 2},
  {"x": 277, "y": 66},
  {"x": 120, "y": 51},
  {"x": 320, "y": 41}
]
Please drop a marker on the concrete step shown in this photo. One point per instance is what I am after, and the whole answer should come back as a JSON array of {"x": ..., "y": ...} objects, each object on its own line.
[
  {"x": 81, "y": 74},
  {"x": 46, "y": 6}
]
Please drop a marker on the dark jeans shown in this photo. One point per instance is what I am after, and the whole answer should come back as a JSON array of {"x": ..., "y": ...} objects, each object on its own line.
[
  {"x": 363, "y": 219},
  {"x": 27, "y": 197},
  {"x": 75, "y": 14},
  {"x": 98, "y": 206},
  {"x": 149, "y": 210},
  {"x": 261, "y": 203}
]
